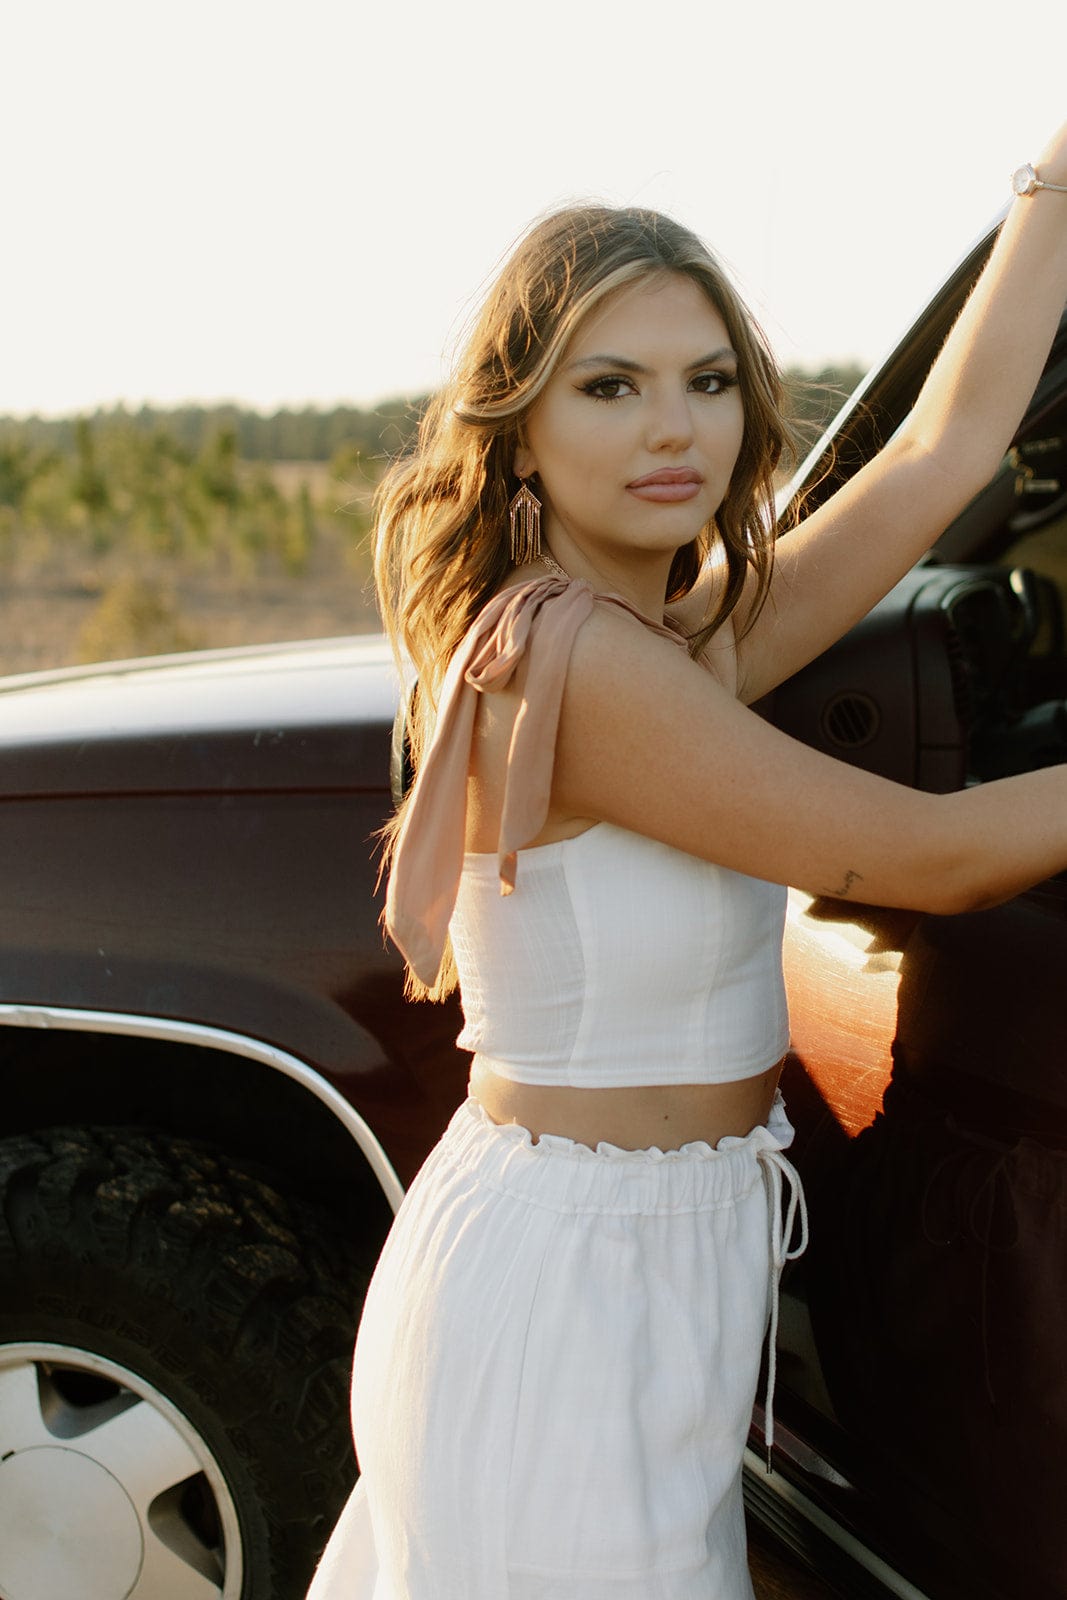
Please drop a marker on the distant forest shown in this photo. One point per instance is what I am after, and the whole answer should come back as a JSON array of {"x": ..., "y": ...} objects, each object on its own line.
[
  {"x": 307, "y": 434},
  {"x": 347, "y": 433}
]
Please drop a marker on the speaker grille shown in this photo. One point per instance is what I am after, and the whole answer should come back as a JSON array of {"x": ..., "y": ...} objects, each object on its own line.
[{"x": 850, "y": 720}]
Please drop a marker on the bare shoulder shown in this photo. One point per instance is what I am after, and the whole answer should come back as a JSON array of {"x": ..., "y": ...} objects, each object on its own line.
[
  {"x": 616, "y": 662},
  {"x": 630, "y": 696},
  {"x": 614, "y": 642},
  {"x": 611, "y": 634}
]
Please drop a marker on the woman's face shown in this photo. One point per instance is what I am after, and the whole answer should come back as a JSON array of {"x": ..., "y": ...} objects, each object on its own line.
[{"x": 636, "y": 434}]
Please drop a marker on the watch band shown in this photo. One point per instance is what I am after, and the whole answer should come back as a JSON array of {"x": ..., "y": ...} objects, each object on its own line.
[{"x": 1024, "y": 180}]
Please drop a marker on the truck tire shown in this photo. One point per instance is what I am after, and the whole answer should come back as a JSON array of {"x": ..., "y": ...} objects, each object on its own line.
[{"x": 175, "y": 1347}]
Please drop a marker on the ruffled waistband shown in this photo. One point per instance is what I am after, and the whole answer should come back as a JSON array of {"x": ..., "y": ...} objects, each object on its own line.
[{"x": 569, "y": 1176}]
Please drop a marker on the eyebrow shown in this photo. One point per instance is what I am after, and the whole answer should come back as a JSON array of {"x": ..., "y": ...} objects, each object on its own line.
[{"x": 624, "y": 364}]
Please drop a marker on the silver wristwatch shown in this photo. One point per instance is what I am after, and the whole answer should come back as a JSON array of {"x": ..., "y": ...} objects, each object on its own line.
[{"x": 1024, "y": 180}]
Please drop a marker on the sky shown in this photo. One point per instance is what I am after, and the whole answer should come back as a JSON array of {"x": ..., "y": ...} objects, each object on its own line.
[{"x": 300, "y": 203}]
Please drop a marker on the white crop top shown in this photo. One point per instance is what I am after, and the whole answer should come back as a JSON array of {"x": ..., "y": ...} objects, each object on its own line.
[{"x": 618, "y": 960}]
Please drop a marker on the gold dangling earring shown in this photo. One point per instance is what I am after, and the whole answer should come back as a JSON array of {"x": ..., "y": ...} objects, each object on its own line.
[{"x": 525, "y": 514}]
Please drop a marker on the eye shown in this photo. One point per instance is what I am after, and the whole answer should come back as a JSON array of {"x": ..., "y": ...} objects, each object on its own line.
[
  {"x": 713, "y": 382},
  {"x": 608, "y": 388}
]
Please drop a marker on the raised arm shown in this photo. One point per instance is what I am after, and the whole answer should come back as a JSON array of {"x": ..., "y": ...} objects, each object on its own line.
[{"x": 850, "y": 552}]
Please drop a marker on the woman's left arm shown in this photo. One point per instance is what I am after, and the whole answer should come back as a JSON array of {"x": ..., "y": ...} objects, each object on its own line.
[{"x": 839, "y": 562}]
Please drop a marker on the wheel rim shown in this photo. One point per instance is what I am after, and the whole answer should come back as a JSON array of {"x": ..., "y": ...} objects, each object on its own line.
[{"x": 106, "y": 1490}]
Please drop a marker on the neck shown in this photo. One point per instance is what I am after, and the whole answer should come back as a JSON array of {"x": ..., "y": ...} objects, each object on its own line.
[{"x": 641, "y": 581}]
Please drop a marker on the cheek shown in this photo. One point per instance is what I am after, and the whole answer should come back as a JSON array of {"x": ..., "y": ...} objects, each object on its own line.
[{"x": 574, "y": 452}]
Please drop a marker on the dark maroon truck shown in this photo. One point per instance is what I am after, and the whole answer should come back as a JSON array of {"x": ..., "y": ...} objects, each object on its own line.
[{"x": 212, "y": 1095}]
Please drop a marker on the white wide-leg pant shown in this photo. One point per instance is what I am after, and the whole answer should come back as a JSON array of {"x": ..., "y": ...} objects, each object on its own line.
[{"x": 555, "y": 1371}]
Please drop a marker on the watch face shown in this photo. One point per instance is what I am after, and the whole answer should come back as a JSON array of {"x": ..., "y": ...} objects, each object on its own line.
[{"x": 1024, "y": 179}]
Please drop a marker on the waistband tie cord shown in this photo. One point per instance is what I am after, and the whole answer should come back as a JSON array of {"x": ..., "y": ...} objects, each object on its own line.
[{"x": 776, "y": 1169}]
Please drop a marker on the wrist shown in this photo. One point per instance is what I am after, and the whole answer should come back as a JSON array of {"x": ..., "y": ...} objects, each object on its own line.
[{"x": 1028, "y": 180}]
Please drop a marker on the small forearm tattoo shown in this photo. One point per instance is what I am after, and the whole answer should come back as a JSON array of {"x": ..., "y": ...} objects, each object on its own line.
[{"x": 844, "y": 889}]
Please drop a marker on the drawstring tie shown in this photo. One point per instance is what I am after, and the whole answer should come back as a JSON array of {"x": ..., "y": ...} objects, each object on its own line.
[{"x": 775, "y": 1169}]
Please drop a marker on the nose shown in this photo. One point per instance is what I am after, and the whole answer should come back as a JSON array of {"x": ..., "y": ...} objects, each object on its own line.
[{"x": 670, "y": 422}]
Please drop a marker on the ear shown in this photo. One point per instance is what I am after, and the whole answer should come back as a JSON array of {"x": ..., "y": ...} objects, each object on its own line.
[{"x": 524, "y": 464}]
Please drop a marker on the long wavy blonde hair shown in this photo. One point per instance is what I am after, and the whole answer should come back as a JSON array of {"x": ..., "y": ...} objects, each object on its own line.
[{"x": 441, "y": 542}]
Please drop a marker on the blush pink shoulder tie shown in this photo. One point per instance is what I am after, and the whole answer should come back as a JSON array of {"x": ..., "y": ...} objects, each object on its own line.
[{"x": 537, "y": 621}]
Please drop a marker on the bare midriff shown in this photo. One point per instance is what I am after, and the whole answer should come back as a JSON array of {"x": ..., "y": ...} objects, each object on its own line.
[{"x": 666, "y": 1115}]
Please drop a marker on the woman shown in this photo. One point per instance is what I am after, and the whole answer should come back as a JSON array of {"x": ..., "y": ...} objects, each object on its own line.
[{"x": 560, "y": 1348}]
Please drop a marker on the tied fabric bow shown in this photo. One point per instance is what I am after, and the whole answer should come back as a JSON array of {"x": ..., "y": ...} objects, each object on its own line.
[{"x": 536, "y": 622}]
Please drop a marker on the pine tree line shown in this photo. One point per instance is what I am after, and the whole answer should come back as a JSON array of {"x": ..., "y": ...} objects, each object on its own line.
[{"x": 308, "y": 434}]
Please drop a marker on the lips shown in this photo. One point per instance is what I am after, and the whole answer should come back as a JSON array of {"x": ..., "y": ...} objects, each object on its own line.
[
  {"x": 668, "y": 485},
  {"x": 667, "y": 475}
]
